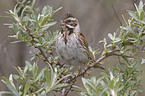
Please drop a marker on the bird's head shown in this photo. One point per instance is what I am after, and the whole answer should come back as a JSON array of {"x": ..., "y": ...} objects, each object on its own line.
[{"x": 69, "y": 24}]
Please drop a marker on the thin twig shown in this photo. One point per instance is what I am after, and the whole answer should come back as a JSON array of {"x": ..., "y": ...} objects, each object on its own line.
[
  {"x": 41, "y": 52},
  {"x": 116, "y": 15}
]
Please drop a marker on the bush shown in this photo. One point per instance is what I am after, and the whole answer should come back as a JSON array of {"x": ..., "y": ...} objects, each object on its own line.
[{"x": 32, "y": 26}]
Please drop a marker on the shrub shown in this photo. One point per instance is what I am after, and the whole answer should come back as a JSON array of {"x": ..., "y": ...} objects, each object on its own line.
[{"x": 32, "y": 26}]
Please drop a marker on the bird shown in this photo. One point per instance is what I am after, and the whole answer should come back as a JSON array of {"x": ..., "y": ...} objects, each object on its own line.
[{"x": 71, "y": 46}]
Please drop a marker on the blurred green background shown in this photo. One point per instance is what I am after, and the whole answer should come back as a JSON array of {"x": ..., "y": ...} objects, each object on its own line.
[{"x": 97, "y": 18}]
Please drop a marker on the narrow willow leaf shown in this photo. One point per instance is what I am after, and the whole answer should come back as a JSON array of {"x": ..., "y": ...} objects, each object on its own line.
[
  {"x": 47, "y": 77},
  {"x": 10, "y": 86},
  {"x": 111, "y": 84},
  {"x": 4, "y": 92},
  {"x": 111, "y": 36},
  {"x": 15, "y": 28},
  {"x": 46, "y": 10},
  {"x": 133, "y": 15},
  {"x": 141, "y": 15},
  {"x": 57, "y": 10},
  {"x": 27, "y": 86},
  {"x": 45, "y": 27},
  {"x": 40, "y": 75},
  {"x": 60, "y": 85},
  {"x": 141, "y": 5}
]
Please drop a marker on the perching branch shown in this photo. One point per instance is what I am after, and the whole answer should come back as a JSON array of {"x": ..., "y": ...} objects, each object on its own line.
[
  {"x": 41, "y": 52},
  {"x": 83, "y": 71}
]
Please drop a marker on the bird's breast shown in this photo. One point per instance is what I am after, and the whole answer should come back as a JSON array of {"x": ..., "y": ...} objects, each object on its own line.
[{"x": 71, "y": 51}]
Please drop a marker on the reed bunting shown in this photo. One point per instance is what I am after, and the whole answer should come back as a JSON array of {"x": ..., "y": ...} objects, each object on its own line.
[{"x": 72, "y": 46}]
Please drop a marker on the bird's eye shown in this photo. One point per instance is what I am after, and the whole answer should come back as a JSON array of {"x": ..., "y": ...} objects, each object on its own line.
[{"x": 68, "y": 21}]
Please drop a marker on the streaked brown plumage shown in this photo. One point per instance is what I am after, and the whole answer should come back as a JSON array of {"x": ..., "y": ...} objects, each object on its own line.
[{"x": 72, "y": 46}]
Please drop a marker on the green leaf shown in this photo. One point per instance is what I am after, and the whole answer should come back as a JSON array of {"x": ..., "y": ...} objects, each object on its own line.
[
  {"x": 57, "y": 10},
  {"x": 38, "y": 44},
  {"x": 47, "y": 77},
  {"x": 10, "y": 86},
  {"x": 22, "y": 13},
  {"x": 111, "y": 36},
  {"x": 18, "y": 78},
  {"x": 90, "y": 49},
  {"x": 105, "y": 76},
  {"x": 25, "y": 69},
  {"x": 111, "y": 84},
  {"x": 19, "y": 36},
  {"x": 133, "y": 93},
  {"x": 135, "y": 66},
  {"x": 40, "y": 74},
  {"x": 60, "y": 85},
  {"x": 4, "y": 92},
  {"x": 117, "y": 39},
  {"x": 134, "y": 49},
  {"x": 28, "y": 64},
  {"x": 44, "y": 20},
  {"x": 132, "y": 31},
  {"x": 116, "y": 87},
  {"x": 46, "y": 10},
  {"x": 138, "y": 11},
  {"x": 8, "y": 18},
  {"x": 15, "y": 28},
  {"x": 27, "y": 86},
  {"x": 137, "y": 74},
  {"x": 111, "y": 76},
  {"x": 35, "y": 69},
  {"x": 141, "y": 15},
  {"x": 19, "y": 71},
  {"x": 33, "y": 3},
  {"x": 45, "y": 27},
  {"x": 141, "y": 5},
  {"x": 43, "y": 93},
  {"x": 130, "y": 84},
  {"x": 133, "y": 15},
  {"x": 14, "y": 36},
  {"x": 126, "y": 60},
  {"x": 85, "y": 83}
]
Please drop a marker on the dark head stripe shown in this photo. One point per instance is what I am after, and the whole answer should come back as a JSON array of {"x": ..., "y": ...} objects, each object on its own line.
[{"x": 67, "y": 15}]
